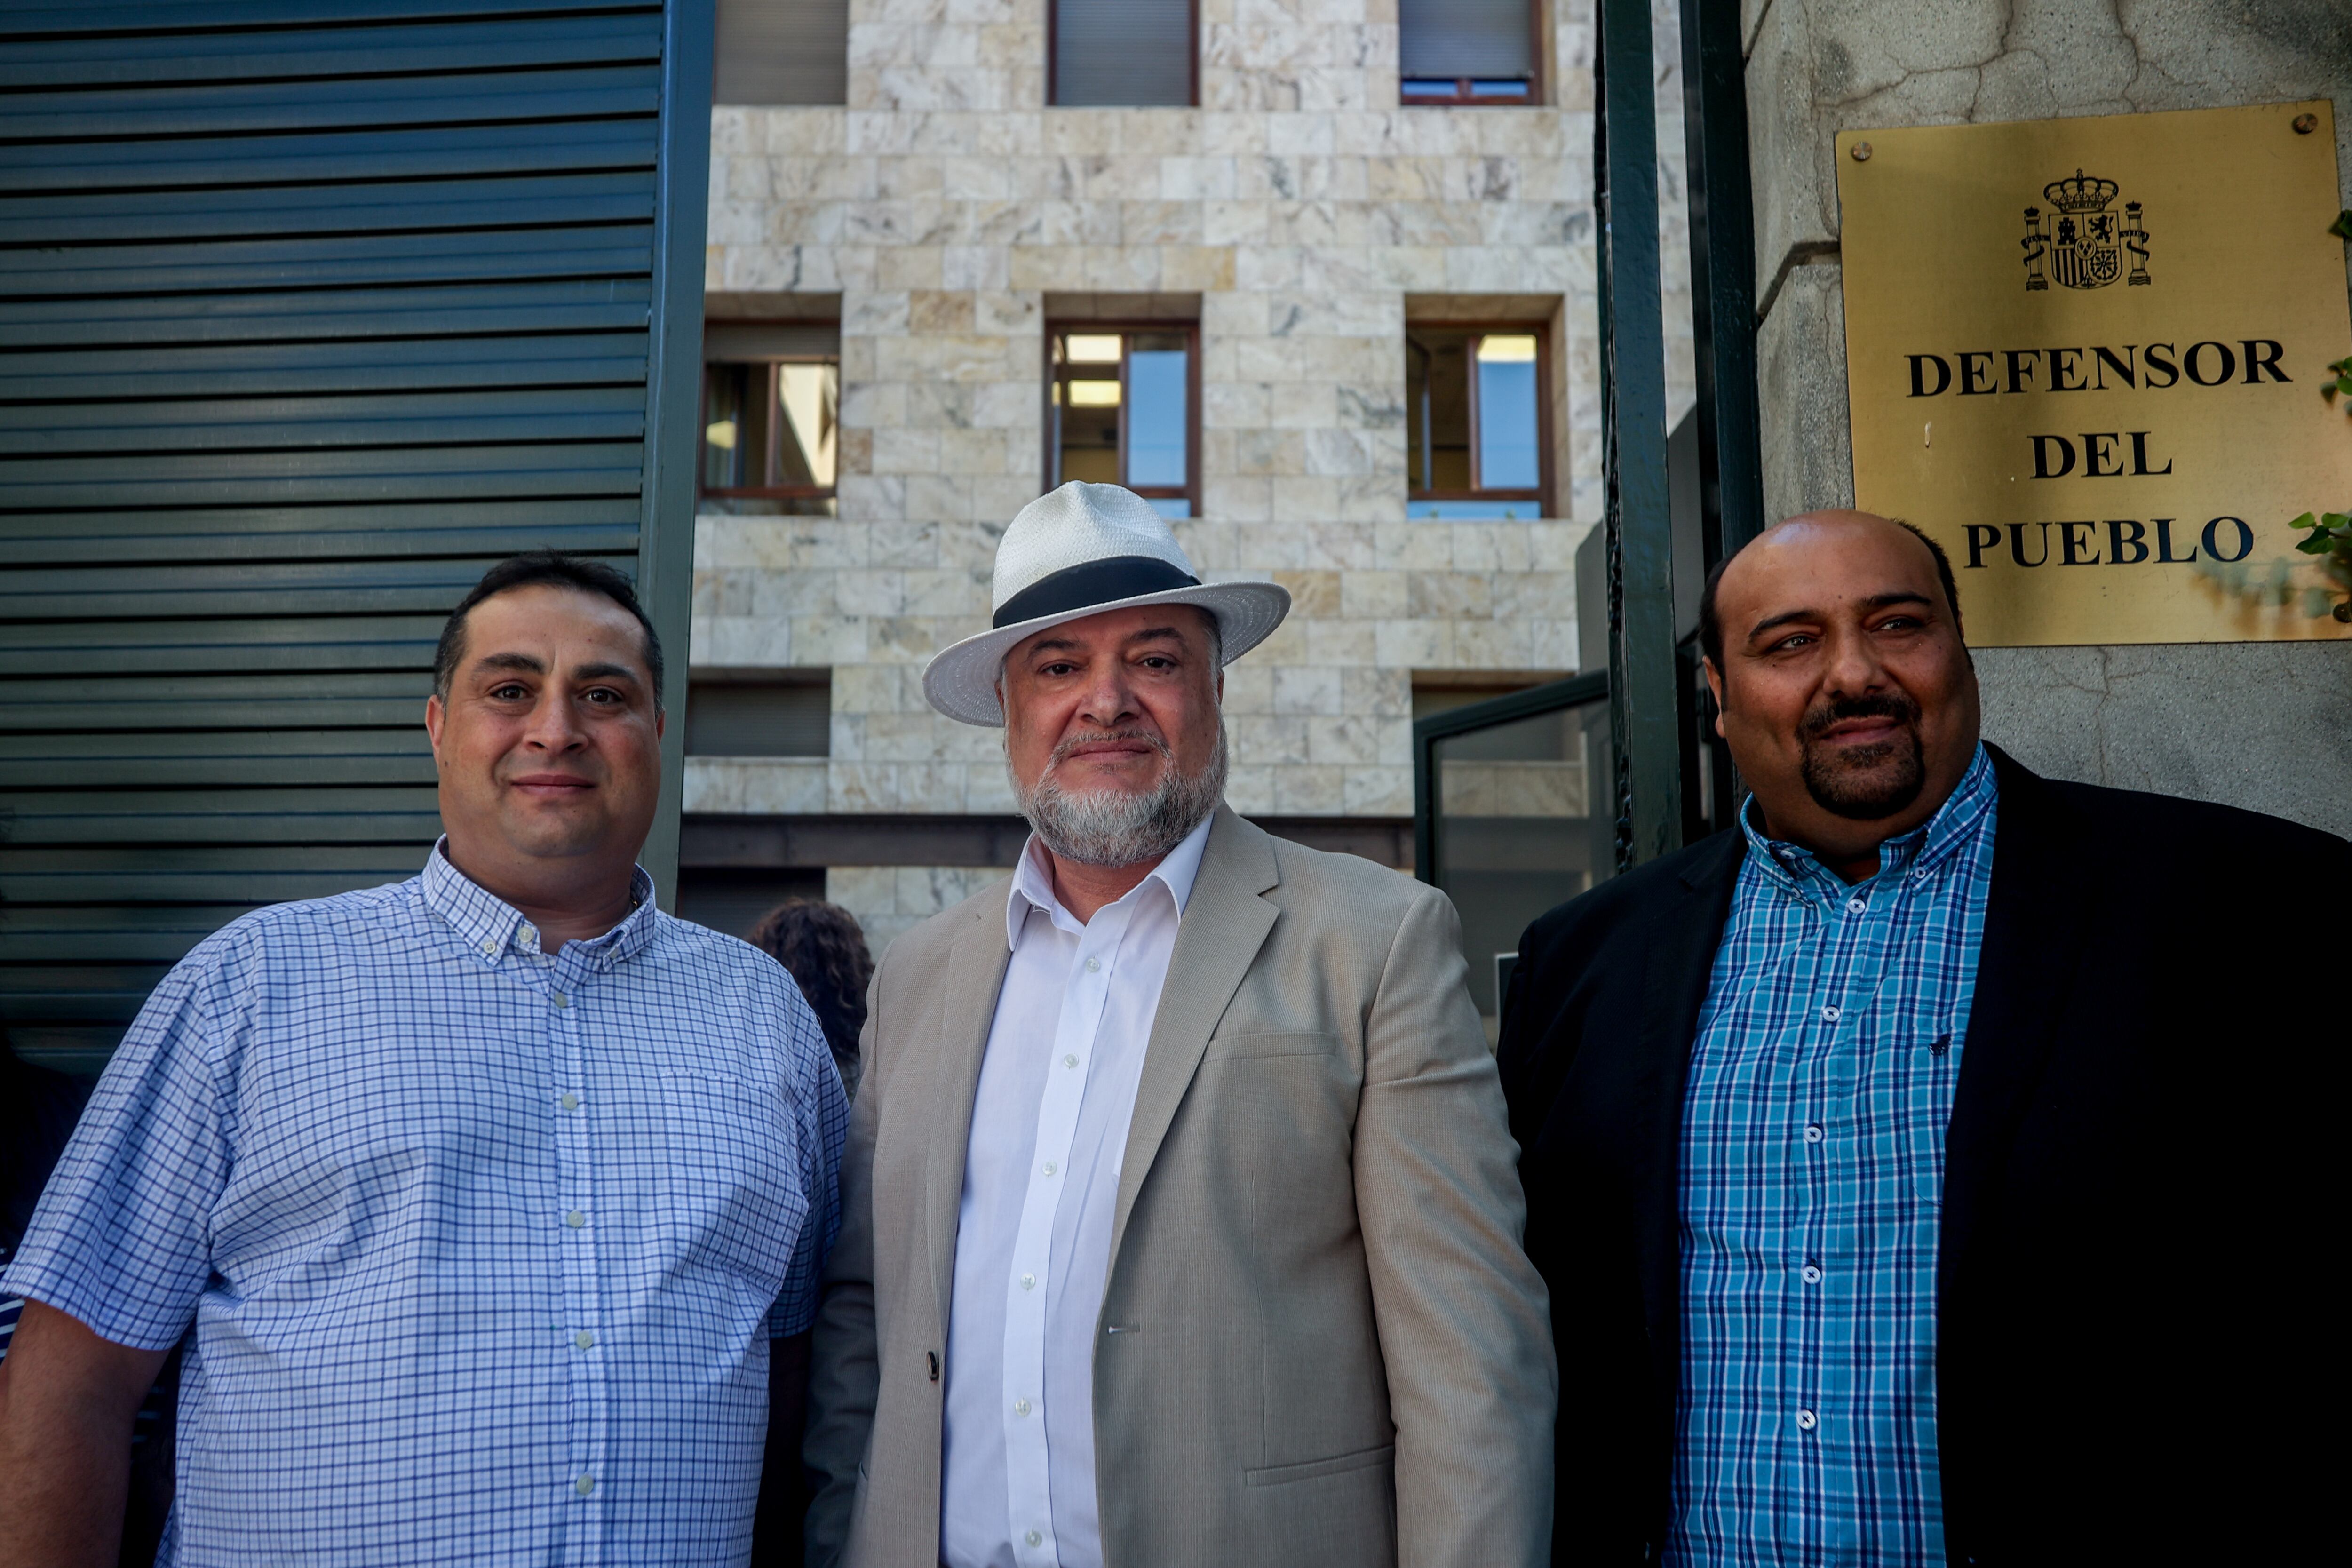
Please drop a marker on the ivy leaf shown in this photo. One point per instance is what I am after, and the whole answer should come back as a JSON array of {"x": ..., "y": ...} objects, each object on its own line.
[
  {"x": 2317, "y": 545},
  {"x": 2305, "y": 520},
  {"x": 2336, "y": 520}
]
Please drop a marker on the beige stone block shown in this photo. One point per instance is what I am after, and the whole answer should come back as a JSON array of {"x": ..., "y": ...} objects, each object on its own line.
[
  {"x": 1305, "y": 498},
  {"x": 1234, "y": 405},
  {"x": 1339, "y": 452},
  {"x": 1345, "y": 741},
  {"x": 1268, "y": 740},
  {"x": 1311, "y": 407},
  {"x": 931, "y": 310},
  {"x": 1249, "y": 687},
  {"x": 1312, "y": 791},
  {"x": 1250, "y": 791},
  {"x": 1449, "y": 596},
  {"x": 1312, "y": 593},
  {"x": 828, "y": 639},
  {"x": 1382, "y": 692},
  {"x": 1492, "y": 645},
  {"x": 1263, "y": 266},
  {"x": 1373, "y": 595},
  {"x": 1414, "y": 645},
  {"x": 1196, "y": 267},
  {"x": 1236, "y": 499},
  {"x": 1234, "y": 222},
  {"x": 1215, "y": 548},
  {"x": 1345, "y": 545},
  {"x": 864, "y": 890},
  {"x": 1308, "y": 689},
  {"x": 1490, "y": 547},
  {"x": 1377, "y": 792},
  {"x": 1345, "y": 643},
  {"x": 894, "y": 543}
]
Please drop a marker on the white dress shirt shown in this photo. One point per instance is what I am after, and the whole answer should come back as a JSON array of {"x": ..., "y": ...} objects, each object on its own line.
[{"x": 1049, "y": 1126}]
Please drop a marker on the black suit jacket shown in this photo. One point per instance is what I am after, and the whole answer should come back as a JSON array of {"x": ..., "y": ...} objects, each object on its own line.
[{"x": 2127, "y": 1318}]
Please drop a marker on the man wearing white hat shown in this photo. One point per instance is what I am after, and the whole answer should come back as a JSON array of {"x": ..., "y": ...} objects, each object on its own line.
[{"x": 1180, "y": 1219}]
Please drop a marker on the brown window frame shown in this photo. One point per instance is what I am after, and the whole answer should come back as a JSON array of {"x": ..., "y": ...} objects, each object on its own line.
[
  {"x": 1463, "y": 98},
  {"x": 775, "y": 416},
  {"x": 1543, "y": 493},
  {"x": 1053, "y": 64},
  {"x": 1056, "y": 374}
]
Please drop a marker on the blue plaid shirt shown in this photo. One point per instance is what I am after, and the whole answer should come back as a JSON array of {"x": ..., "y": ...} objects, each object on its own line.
[
  {"x": 483, "y": 1247},
  {"x": 1821, "y": 1084}
]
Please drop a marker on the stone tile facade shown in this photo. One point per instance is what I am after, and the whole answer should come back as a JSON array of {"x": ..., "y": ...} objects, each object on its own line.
[{"x": 1301, "y": 206}]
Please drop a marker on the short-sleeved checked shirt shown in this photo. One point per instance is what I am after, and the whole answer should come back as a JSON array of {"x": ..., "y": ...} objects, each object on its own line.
[
  {"x": 483, "y": 1247},
  {"x": 1811, "y": 1192}
]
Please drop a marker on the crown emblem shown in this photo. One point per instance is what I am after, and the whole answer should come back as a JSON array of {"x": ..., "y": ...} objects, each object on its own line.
[
  {"x": 2084, "y": 243},
  {"x": 2083, "y": 194}
]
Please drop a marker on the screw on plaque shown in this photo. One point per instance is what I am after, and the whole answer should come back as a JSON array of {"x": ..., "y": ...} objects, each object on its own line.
[
  {"x": 2305, "y": 124},
  {"x": 1861, "y": 151}
]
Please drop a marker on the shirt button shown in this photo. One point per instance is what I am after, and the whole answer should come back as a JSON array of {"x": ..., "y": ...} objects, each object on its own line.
[
  {"x": 1812, "y": 1134},
  {"x": 584, "y": 1339},
  {"x": 1034, "y": 1539},
  {"x": 1812, "y": 1274},
  {"x": 1028, "y": 1282},
  {"x": 584, "y": 1485},
  {"x": 1020, "y": 1407},
  {"x": 1829, "y": 1015},
  {"x": 1857, "y": 905},
  {"x": 1070, "y": 1061},
  {"x": 1806, "y": 1421},
  {"x": 1093, "y": 964},
  {"x": 570, "y": 1101},
  {"x": 1051, "y": 1167},
  {"x": 576, "y": 1219},
  {"x": 490, "y": 947}
]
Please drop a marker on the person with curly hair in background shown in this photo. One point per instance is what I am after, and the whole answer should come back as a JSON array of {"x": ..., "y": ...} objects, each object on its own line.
[{"x": 823, "y": 948}]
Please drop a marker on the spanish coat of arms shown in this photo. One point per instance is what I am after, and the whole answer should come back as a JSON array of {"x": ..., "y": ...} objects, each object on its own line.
[{"x": 2082, "y": 239}]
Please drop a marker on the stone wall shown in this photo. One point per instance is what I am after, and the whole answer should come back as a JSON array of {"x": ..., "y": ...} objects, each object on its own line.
[
  {"x": 2261, "y": 725},
  {"x": 1302, "y": 212}
]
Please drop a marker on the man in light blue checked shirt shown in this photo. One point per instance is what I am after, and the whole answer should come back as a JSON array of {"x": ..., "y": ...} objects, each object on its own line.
[{"x": 497, "y": 1198}]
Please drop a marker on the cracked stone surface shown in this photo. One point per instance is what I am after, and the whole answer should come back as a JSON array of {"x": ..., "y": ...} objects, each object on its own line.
[
  {"x": 2267, "y": 726},
  {"x": 2258, "y": 725},
  {"x": 1818, "y": 67}
]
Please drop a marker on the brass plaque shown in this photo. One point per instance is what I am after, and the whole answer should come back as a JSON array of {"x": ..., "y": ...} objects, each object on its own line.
[{"x": 2087, "y": 356}]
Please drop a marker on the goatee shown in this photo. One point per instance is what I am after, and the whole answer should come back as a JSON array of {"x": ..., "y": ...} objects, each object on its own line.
[
  {"x": 1863, "y": 784},
  {"x": 1114, "y": 826}
]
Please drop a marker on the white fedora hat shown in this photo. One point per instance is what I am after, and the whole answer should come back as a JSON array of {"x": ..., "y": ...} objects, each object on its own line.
[{"x": 1078, "y": 551}]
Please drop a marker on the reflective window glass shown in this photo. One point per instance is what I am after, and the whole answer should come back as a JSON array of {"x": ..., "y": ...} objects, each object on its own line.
[
  {"x": 1120, "y": 411},
  {"x": 770, "y": 435},
  {"x": 1474, "y": 423}
]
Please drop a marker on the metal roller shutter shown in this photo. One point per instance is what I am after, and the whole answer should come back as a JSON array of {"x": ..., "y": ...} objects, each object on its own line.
[
  {"x": 308, "y": 313},
  {"x": 1128, "y": 54}
]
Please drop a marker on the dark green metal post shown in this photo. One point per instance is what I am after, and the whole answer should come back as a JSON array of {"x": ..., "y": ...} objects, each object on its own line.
[
  {"x": 1723, "y": 274},
  {"x": 1642, "y": 687}
]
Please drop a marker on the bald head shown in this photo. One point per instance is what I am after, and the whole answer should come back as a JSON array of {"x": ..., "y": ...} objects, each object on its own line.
[
  {"x": 1843, "y": 685},
  {"x": 1710, "y": 627}
]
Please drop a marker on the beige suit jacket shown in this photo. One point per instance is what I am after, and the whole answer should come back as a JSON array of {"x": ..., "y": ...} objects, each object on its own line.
[{"x": 1320, "y": 1342}]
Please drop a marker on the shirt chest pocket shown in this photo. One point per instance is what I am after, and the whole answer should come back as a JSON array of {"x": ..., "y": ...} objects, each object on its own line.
[{"x": 729, "y": 1192}]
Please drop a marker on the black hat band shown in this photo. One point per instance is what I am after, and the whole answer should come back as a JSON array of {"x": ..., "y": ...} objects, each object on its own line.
[{"x": 1094, "y": 583}]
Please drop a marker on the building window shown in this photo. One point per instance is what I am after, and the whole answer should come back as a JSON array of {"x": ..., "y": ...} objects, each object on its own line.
[
  {"x": 782, "y": 51},
  {"x": 759, "y": 713},
  {"x": 1476, "y": 419},
  {"x": 1123, "y": 408},
  {"x": 1468, "y": 51},
  {"x": 1122, "y": 54},
  {"x": 770, "y": 418}
]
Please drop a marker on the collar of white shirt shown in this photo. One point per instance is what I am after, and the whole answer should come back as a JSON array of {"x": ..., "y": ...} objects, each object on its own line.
[{"x": 1033, "y": 883}]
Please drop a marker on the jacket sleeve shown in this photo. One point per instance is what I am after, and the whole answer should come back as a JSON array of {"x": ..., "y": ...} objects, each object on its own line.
[
  {"x": 843, "y": 1366},
  {"x": 1463, "y": 1319}
]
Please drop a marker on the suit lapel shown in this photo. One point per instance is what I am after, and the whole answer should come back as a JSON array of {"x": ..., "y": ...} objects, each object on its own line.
[
  {"x": 976, "y": 967},
  {"x": 1680, "y": 957},
  {"x": 1225, "y": 922},
  {"x": 2031, "y": 955}
]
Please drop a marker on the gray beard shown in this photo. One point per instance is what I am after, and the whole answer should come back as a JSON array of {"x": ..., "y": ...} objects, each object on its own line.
[{"x": 1113, "y": 827}]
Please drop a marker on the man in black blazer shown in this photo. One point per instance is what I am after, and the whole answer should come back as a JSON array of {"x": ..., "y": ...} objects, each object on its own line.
[{"x": 2116, "y": 1203}]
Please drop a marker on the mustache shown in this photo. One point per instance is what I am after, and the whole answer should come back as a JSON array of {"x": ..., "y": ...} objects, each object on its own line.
[
  {"x": 1067, "y": 747},
  {"x": 1895, "y": 705}
]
